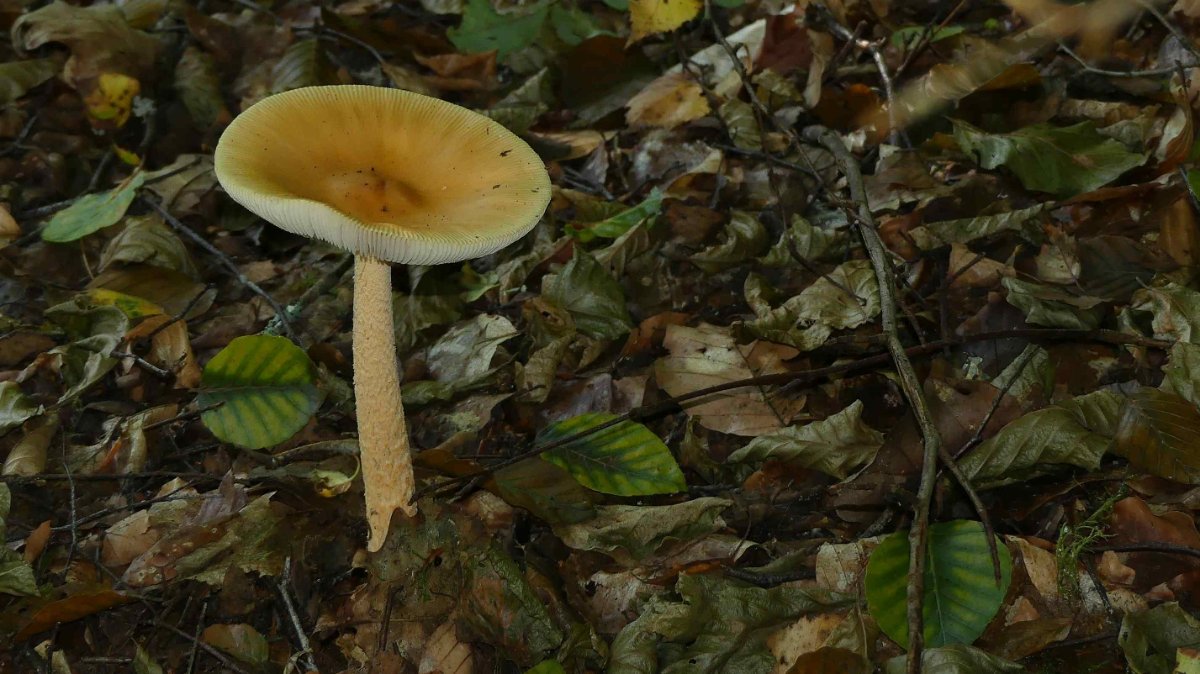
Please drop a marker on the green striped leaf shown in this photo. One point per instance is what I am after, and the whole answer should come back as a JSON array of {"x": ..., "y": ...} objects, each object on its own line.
[
  {"x": 961, "y": 595},
  {"x": 625, "y": 459},
  {"x": 267, "y": 390}
]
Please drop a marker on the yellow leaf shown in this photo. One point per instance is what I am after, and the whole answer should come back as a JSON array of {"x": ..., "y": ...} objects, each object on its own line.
[
  {"x": 111, "y": 100},
  {"x": 127, "y": 156},
  {"x": 667, "y": 102},
  {"x": 650, "y": 17},
  {"x": 134, "y": 307}
]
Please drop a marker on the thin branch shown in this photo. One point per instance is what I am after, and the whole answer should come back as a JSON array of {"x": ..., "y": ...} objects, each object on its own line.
[
  {"x": 224, "y": 260},
  {"x": 305, "y": 654},
  {"x": 931, "y": 441},
  {"x": 221, "y": 657},
  {"x": 1152, "y": 72},
  {"x": 791, "y": 380},
  {"x": 872, "y": 49},
  {"x": 1169, "y": 548}
]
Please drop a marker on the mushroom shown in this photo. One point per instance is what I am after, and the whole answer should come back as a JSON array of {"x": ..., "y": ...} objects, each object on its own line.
[{"x": 390, "y": 176}]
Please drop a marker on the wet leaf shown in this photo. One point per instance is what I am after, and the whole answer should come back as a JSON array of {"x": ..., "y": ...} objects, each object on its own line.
[
  {"x": 463, "y": 356},
  {"x": 742, "y": 123},
  {"x": 717, "y": 625},
  {"x": 594, "y": 299},
  {"x": 145, "y": 239},
  {"x": 744, "y": 238},
  {"x": 625, "y": 459},
  {"x": 1024, "y": 221},
  {"x": 266, "y": 388},
  {"x": 1054, "y": 307},
  {"x": 101, "y": 41},
  {"x": 1061, "y": 160},
  {"x": 15, "y": 406},
  {"x": 546, "y": 667},
  {"x": 241, "y": 641},
  {"x": 573, "y": 25},
  {"x": 835, "y": 445},
  {"x": 810, "y": 242},
  {"x": 522, "y": 106},
  {"x": 16, "y": 576},
  {"x": 227, "y": 535},
  {"x": 199, "y": 87},
  {"x": 827, "y": 659},
  {"x": 1182, "y": 372},
  {"x": 1076, "y": 432},
  {"x": 1174, "y": 309},
  {"x": 1159, "y": 433},
  {"x": 961, "y": 593},
  {"x": 412, "y": 314},
  {"x": 92, "y": 212},
  {"x": 1150, "y": 638},
  {"x": 18, "y": 77},
  {"x": 78, "y": 603},
  {"x": 502, "y": 608},
  {"x": 846, "y": 297},
  {"x": 632, "y": 533},
  {"x": 546, "y": 491},
  {"x": 171, "y": 292},
  {"x": 97, "y": 332}
]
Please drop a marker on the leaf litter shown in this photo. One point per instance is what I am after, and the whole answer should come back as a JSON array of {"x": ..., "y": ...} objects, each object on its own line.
[{"x": 661, "y": 433}]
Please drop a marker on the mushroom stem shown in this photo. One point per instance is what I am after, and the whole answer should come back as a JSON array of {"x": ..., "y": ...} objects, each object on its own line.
[{"x": 382, "y": 434}]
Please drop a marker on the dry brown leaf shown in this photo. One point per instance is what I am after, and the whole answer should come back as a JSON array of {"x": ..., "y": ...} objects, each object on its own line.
[
  {"x": 1133, "y": 522},
  {"x": 706, "y": 356},
  {"x": 806, "y": 635},
  {"x": 36, "y": 542},
  {"x": 170, "y": 348},
  {"x": 126, "y": 540},
  {"x": 1179, "y": 234},
  {"x": 28, "y": 457},
  {"x": 9, "y": 229},
  {"x": 461, "y": 72},
  {"x": 78, "y": 605},
  {"x": 667, "y": 102},
  {"x": 446, "y": 653}
]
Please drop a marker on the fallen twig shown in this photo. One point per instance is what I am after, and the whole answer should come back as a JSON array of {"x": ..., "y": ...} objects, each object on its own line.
[
  {"x": 798, "y": 378},
  {"x": 931, "y": 440},
  {"x": 224, "y": 260}
]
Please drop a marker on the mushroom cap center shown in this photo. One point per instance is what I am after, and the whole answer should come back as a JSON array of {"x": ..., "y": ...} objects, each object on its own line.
[
  {"x": 383, "y": 172},
  {"x": 370, "y": 195}
]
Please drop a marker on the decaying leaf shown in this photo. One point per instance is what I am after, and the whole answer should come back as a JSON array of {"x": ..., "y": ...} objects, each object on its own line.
[
  {"x": 632, "y": 532},
  {"x": 835, "y": 445}
]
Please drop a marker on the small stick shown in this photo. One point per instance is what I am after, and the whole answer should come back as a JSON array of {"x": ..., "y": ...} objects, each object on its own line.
[
  {"x": 302, "y": 637},
  {"x": 931, "y": 441},
  {"x": 224, "y": 260}
]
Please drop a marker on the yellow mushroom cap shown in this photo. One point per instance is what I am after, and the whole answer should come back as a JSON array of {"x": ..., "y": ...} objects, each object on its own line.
[{"x": 383, "y": 172}]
